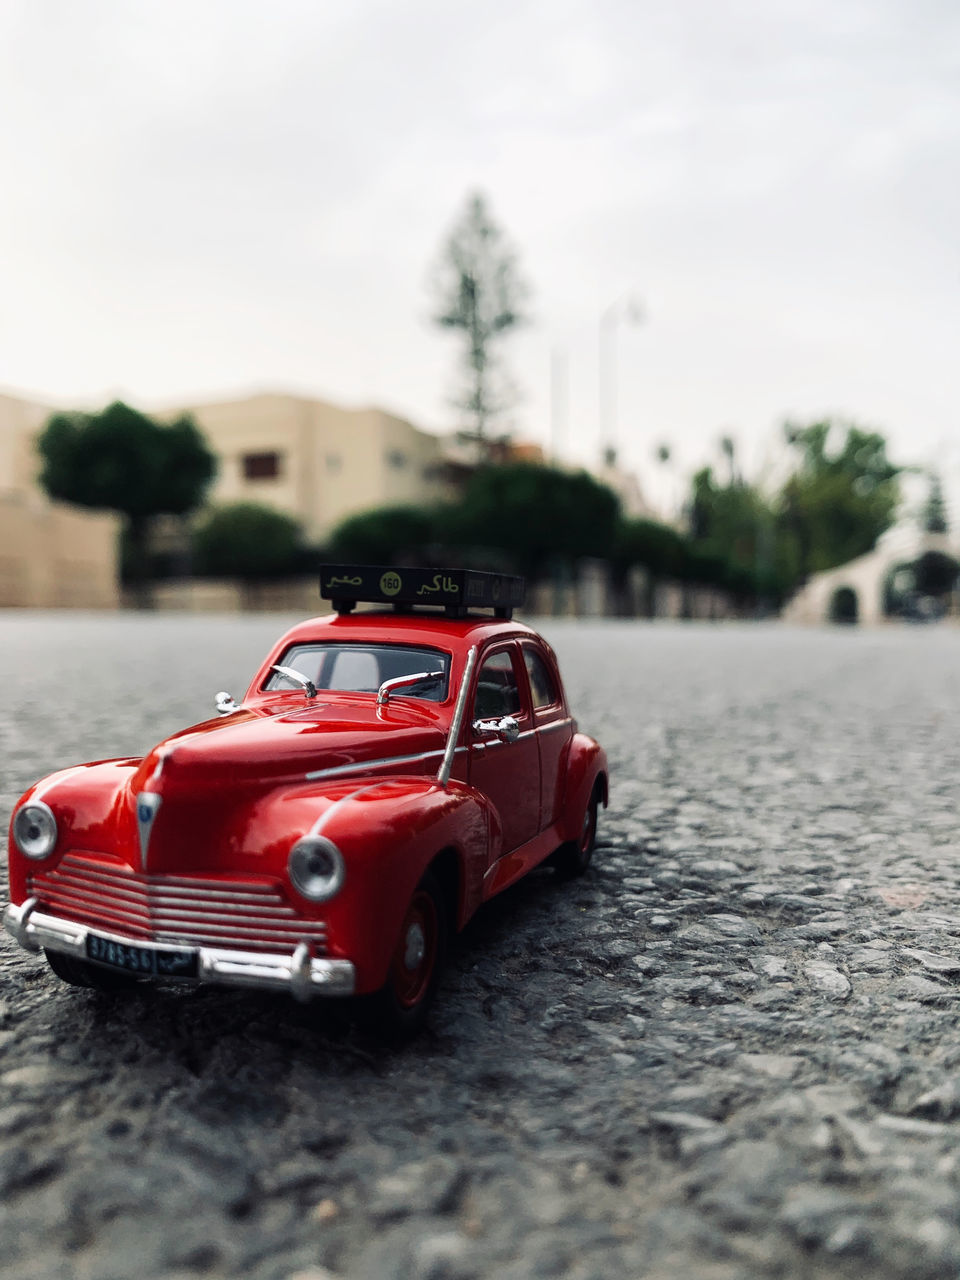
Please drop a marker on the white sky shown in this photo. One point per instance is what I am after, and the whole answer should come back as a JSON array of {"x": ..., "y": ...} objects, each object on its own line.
[{"x": 199, "y": 197}]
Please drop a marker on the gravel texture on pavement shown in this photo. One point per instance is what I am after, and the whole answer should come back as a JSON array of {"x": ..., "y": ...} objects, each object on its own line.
[{"x": 730, "y": 1050}]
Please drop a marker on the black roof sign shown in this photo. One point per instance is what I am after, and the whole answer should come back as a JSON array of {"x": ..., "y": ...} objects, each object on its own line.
[{"x": 458, "y": 590}]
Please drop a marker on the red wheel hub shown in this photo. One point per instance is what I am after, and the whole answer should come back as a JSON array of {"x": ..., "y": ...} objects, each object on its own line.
[{"x": 416, "y": 952}]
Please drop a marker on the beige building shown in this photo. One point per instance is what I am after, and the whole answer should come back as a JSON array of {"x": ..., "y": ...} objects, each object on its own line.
[
  {"x": 313, "y": 460},
  {"x": 51, "y": 555},
  {"x": 316, "y": 461}
]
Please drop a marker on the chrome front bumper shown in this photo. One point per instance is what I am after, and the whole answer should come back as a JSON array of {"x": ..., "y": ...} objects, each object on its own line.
[{"x": 302, "y": 974}]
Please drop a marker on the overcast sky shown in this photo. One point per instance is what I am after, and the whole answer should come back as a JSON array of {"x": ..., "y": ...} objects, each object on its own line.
[{"x": 207, "y": 197}]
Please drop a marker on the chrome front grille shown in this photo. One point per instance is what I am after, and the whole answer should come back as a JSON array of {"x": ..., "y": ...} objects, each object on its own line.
[{"x": 253, "y": 913}]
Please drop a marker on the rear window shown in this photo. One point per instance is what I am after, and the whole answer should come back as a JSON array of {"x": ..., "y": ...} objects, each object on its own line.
[
  {"x": 542, "y": 686},
  {"x": 363, "y": 668}
]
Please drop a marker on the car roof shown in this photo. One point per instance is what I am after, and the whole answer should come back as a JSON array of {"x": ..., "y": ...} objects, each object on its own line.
[{"x": 430, "y": 628}]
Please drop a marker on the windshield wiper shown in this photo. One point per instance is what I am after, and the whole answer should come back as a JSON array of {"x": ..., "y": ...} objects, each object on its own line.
[
  {"x": 308, "y": 687},
  {"x": 402, "y": 682}
]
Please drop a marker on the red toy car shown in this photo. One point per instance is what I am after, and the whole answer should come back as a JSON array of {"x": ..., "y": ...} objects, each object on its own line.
[{"x": 386, "y": 773}]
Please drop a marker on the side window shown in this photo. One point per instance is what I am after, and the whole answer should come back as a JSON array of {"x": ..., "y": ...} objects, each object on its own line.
[
  {"x": 497, "y": 692},
  {"x": 543, "y": 689}
]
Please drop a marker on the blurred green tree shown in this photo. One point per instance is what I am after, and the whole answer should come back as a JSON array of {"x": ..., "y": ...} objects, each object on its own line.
[
  {"x": 659, "y": 549},
  {"x": 121, "y": 460},
  {"x": 384, "y": 535},
  {"x": 247, "y": 541},
  {"x": 533, "y": 515},
  {"x": 479, "y": 293},
  {"x": 838, "y": 501},
  {"x": 734, "y": 535},
  {"x": 656, "y": 547},
  {"x": 934, "y": 517},
  {"x": 728, "y": 447}
]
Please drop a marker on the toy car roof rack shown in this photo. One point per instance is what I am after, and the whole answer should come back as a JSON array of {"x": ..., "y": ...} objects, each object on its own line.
[{"x": 457, "y": 590}]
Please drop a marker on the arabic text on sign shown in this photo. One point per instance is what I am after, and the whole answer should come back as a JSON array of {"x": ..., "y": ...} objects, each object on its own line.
[{"x": 440, "y": 583}]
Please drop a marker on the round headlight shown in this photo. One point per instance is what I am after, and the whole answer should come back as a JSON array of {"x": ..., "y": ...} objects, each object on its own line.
[
  {"x": 35, "y": 829},
  {"x": 316, "y": 868}
]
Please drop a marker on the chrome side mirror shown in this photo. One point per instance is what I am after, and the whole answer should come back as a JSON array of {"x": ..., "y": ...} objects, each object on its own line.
[
  {"x": 506, "y": 730},
  {"x": 224, "y": 704}
]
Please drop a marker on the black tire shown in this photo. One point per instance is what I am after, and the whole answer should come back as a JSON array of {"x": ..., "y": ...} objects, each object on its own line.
[
  {"x": 399, "y": 1008},
  {"x": 573, "y": 858},
  {"x": 81, "y": 973}
]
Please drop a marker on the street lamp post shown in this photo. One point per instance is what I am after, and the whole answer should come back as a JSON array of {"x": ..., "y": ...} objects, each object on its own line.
[
  {"x": 628, "y": 309},
  {"x": 559, "y": 378}
]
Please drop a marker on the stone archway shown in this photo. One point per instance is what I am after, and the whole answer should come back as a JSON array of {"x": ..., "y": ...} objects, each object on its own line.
[
  {"x": 935, "y": 574},
  {"x": 844, "y": 606},
  {"x": 920, "y": 589}
]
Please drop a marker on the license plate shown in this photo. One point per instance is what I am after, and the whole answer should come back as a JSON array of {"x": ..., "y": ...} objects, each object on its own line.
[{"x": 141, "y": 960}]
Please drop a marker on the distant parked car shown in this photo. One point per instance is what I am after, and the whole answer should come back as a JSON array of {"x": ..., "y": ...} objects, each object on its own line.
[{"x": 385, "y": 774}]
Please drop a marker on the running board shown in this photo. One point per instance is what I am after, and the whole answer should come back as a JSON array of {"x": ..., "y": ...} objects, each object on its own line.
[{"x": 513, "y": 865}]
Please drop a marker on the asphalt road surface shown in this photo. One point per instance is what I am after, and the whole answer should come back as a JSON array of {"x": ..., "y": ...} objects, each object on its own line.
[{"x": 730, "y": 1050}]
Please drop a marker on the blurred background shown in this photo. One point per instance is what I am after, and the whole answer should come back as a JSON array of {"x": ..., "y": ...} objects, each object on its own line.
[{"x": 656, "y": 306}]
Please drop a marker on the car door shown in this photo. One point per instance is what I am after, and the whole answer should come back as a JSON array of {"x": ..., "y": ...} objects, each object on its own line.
[{"x": 507, "y": 772}]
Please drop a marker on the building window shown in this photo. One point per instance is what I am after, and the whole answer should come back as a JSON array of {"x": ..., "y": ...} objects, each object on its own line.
[
  {"x": 334, "y": 463},
  {"x": 396, "y": 459},
  {"x": 261, "y": 466}
]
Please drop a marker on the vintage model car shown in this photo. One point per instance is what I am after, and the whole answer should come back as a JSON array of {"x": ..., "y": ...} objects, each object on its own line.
[{"x": 387, "y": 772}]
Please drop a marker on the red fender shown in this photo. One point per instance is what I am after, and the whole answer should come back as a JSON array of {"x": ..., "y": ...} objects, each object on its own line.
[
  {"x": 586, "y": 767},
  {"x": 389, "y": 832},
  {"x": 90, "y": 813}
]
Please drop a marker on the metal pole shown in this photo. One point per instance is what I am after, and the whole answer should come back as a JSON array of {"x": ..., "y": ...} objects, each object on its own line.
[
  {"x": 606, "y": 373},
  {"x": 625, "y": 308},
  {"x": 443, "y": 777},
  {"x": 558, "y": 401}
]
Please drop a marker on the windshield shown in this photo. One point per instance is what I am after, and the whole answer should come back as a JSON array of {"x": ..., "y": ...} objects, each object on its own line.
[{"x": 362, "y": 668}]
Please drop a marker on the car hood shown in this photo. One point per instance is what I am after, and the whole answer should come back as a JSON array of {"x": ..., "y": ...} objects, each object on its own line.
[{"x": 282, "y": 740}]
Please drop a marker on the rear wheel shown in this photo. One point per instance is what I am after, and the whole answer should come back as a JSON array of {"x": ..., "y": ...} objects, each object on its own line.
[
  {"x": 400, "y": 1006},
  {"x": 81, "y": 973},
  {"x": 573, "y": 858}
]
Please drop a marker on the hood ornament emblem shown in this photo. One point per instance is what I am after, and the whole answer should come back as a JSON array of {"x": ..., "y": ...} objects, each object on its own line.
[{"x": 148, "y": 805}]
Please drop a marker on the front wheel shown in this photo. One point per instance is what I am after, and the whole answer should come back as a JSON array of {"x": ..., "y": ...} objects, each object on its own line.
[
  {"x": 573, "y": 858},
  {"x": 400, "y": 1006},
  {"x": 81, "y": 973}
]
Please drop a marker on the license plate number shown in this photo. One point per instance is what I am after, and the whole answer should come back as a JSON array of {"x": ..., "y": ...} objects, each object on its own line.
[{"x": 141, "y": 960}]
